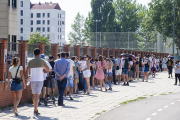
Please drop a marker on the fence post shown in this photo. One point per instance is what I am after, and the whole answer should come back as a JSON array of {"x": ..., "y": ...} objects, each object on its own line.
[
  {"x": 66, "y": 48},
  {"x": 85, "y": 50},
  {"x": 113, "y": 50},
  {"x": 54, "y": 50},
  {"x": 93, "y": 52},
  {"x": 77, "y": 50},
  {"x": 107, "y": 52},
  {"x": 23, "y": 53},
  {"x": 100, "y": 51},
  {"x": 3, "y": 65},
  {"x": 42, "y": 45}
]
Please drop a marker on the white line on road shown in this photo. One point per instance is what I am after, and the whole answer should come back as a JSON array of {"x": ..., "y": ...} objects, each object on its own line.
[
  {"x": 172, "y": 103},
  {"x": 154, "y": 113},
  {"x": 165, "y": 106},
  {"x": 148, "y": 119},
  {"x": 178, "y": 100},
  {"x": 160, "y": 110}
]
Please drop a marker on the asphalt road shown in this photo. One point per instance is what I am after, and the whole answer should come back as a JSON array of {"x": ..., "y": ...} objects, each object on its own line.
[{"x": 164, "y": 107}]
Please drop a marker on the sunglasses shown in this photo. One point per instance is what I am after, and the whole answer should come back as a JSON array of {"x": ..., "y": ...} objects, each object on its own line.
[{"x": 85, "y": 57}]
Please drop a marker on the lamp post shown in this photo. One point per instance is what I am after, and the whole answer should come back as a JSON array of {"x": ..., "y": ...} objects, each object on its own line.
[
  {"x": 96, "y": 29},
  {"x": 174, "y": 27}
]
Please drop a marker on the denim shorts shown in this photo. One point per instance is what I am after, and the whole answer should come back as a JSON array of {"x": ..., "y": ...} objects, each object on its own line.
[
  {"x": 125, "y": 71},
  {"x": 140, "y": 69},
  {"x": 70, "y": 81},
  {"x": 146, "y": 69},
  {"x": 16, "y": 86}
]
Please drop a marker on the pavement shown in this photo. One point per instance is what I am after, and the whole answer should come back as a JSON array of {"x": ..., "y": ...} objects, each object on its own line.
[
  {"x": 86, "y": 107},
  {"x": 164, "y": 107}
]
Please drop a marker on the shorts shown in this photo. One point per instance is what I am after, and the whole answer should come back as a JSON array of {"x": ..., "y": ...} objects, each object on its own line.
[
  {"x": 146, "y": 69},
  {"x": 36, "y": 87},
  {"x": 125, "y": 71},
  {"x": 46, "y": 83},
  {"x": 130, "y": 73},
  {"x": 153, "y": 69},
  {"x": 52, "y": 83},
  {"x": 16, "y": 86},
  {"x": 87, "y": 73},
  {"x": 140, "y": 69},
  {"x": 70, "y": 81},
  {"x": 118, "y": 72}
]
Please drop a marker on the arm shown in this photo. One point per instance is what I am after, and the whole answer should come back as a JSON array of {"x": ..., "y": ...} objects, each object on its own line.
[
  {"x": 55, "y": 70},
  {"x": 9, "y": 77},
  {"x": 27, "y": 73},
  {"x": 22, "y": 76},
  {"x": 74, "y": 71}
]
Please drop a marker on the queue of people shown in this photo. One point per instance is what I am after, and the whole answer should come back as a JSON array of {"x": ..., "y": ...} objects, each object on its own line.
[{"x": 72, "y": 74}]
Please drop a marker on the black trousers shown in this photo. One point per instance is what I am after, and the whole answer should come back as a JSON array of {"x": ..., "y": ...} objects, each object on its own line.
[{"x": 177, "y": 76}]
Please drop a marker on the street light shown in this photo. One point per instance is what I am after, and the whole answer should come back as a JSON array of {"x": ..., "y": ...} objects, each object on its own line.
[
  {"x": 174, "y": 27},
  {"x": 96, "y": 29}
]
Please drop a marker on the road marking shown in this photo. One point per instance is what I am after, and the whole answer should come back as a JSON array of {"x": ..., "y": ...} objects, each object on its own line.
[
  {"x": 165, "y": 106},
  {"x": 154, "y": 113},
  {"x": 148, "y": 119},
  {"x": 172, "y": 103},
  {"x": 178, "y": 100},
  {"x": 160, "y": 110}
]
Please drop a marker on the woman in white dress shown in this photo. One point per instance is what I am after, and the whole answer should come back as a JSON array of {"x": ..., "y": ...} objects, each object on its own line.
[{"x": 164, "y": 66}]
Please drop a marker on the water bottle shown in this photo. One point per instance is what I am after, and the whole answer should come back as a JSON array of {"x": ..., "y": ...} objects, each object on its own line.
[{"x": 28, "y": 83}]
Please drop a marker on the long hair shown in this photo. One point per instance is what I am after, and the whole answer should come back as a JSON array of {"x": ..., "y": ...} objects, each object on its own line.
[
  {"x": 15, "y": 61},
  {"x": 101, "y": 59}
]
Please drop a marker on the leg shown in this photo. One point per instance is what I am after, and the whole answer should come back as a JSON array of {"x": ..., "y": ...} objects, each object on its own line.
[
  {"x": 100, "y": 82},
  {"x": 138, "y": 75},
  {"x": 14, "y": 98},
  {"x": 61, "y": 88},
  {"x": 176, "y": 79},
  {"x": 114, "y": 79},
  {"x": 18, "y": 98},
  {"x": 75, "y": 85},
  {"x": 93, "y": 81},
  {"x": 44, "y": 92},
  {"x": 88, "y": 84},
  {"x": 104, "y": 84},
  {"x": 85, "y": 85}
]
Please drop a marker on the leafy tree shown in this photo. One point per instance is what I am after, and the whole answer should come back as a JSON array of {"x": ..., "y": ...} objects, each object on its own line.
[
  {"x": 160, "y": 18},
  {"x": 76, "y": 36}
]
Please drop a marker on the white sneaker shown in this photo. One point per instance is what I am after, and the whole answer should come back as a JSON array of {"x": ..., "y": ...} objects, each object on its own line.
[
  {"x": 98, "y": 86},
  {"x": 65, "y": 98},
  {"x": 71, "y": 97}
]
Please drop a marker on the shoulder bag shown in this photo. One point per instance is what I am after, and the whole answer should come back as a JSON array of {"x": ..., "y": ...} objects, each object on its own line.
[{"x": 17, "y": 80}]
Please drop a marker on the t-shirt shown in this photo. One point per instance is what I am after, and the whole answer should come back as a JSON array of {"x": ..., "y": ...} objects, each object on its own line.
[
  {"x": 169, "y": 63},
  {"x": 13, "y": 71},
  {"x": 36, "y": 66},
  {"x": 71, "y": 64},
  {"x": 126, "y": 63},
  {"x": 45, "y": 74},
  {"x": 177, "y": 70}
]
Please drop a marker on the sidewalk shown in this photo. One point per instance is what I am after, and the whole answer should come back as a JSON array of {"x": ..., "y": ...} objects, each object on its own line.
[{"x": 90, "y": 107}]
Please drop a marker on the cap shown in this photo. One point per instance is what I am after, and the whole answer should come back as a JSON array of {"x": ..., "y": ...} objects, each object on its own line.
[{"x": 42, "y": 56}]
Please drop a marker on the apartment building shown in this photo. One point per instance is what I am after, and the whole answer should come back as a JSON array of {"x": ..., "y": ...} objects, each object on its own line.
[
  {"x": 20, "y": 18},
  {"x": 49, "y": 19}
]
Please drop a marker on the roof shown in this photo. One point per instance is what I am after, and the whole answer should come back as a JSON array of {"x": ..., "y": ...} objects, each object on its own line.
[{"x": 45, "y": 6}]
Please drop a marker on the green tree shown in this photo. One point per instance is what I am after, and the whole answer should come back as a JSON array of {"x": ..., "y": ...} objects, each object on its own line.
[
  {"x": 76, "y": 36},
  {"x": 160, "y": 18}
]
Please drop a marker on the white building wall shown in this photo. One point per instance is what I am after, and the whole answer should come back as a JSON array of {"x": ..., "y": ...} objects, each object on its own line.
[{"x": 53, "y": 24}]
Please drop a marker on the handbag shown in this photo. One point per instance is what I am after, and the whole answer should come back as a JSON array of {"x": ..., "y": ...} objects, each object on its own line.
[{"x": 17, "y": 80}]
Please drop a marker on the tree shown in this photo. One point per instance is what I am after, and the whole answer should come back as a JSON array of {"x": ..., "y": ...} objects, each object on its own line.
[
  {"x": 76, "y": 35},
  {"x": 160, "y": 18}
]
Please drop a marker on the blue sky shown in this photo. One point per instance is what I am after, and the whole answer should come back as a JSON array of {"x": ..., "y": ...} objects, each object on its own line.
[{"x": 72, "y": 7}]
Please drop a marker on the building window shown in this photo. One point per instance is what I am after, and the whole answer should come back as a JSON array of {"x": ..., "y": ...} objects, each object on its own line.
[
  {"x": 60, "y": 15},
  {"x": 58, "y": 22},
  {"x": 48, "y": 36},
  {"x": 43, "y": 15},
  {"x": 43, "y": 22},
  {"x": 63, "y": 16},
  {"x": 48, "y": 22},
  {"x": 38, "y": 22},
  {"x": 43, "y": 29},
  {"x": 21, "y": 12},
  {"x": 62, "y": 22},
  {"x": 58, "y": 36},
  {"x": 21, "y": 3},
  {"x": 21, "y": 30},
  {"x": 48, "y": 29},
  {"x": 31, "y": 29},
  {"x": 62, "y": 36},
  {"x": 58, "y": 29},
  {"x": 38, "y": 15},
  {"x": 8, "y": 2},
  {"x": 14, "y": 3},
  {"x": 38, "y": 29},
  {"x": 31, "y": 22},
  {"x": 21, "y": 37},
  {"x": 21, "y": 21},
  {"x": 63, "y": 30},
  {"x": 48, "y": 15},
  {"x": 31, "y": 15},
  {"x": 13, "y": 41}
]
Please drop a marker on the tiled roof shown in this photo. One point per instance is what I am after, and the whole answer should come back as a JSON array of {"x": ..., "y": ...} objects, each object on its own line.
[{"x": 45, "y": 6}]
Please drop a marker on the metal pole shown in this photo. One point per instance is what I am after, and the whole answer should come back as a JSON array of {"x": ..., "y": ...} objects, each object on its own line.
[
  {"x": 128, "y": 40},
  {"x": 96, "y": 33},
  {"x": 100, "y": 39},
  {"x": 174, "y": 29}
]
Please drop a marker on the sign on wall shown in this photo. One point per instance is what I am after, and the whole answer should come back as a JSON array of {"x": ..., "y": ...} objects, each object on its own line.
[
  {"x": 5, "y": 55},
  {"x": 26, "y": 62}
]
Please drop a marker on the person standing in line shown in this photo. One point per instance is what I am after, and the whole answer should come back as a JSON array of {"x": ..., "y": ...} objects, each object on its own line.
[
  {"x": 126, "y": 67},
  {"x": 70, "y": 76},
  {"x": 109, "y": 71},
  {"x": 153, "y": 69},
  {"x": 36, "y": 67},
  {"x": 113, "y": 69},
  {"x": 140, "y": 65},
  {"x": 160, "y": 64},
  {"x": 164, "y": 65},
  {"x": 146, "y": 69},
  {"x": 177, "y": 72},
  {"x": 87, "y": 72},
  {"x": 61, "y": 70},
  {"x": 101, "y": 65},
  {"x": 136, "y": 74},
  {"x": 118, "y": 66},
  {"x": 170, "y": 66},
  {"x": 130, "y": 73},
  {"x": 16, "y": 71},
  {"x": 76, "y": 81},
  {"x": 82, "y": 79}
]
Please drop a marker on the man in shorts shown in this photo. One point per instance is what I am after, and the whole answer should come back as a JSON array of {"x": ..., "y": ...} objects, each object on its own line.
[
  {"x": 118, "y": 66},
  {"x": 126, "y": 67},
  {"x": 36, "y": 67}
]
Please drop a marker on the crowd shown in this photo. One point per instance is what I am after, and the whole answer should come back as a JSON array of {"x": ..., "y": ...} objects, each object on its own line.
[{"x": 72, "y": 74}]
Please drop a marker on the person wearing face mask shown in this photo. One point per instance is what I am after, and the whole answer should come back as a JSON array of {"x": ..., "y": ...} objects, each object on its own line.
[
  {"x": 177, "y": 72},
  {"x": 170, "y": 66}
]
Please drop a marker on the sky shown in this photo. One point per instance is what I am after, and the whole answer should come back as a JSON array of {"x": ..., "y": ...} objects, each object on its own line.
[{"x": 72, "y": 7}]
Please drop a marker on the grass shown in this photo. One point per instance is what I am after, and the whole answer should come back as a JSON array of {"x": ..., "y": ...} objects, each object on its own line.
[
  {"x": 170, "y": 92},
  {"x": 139, "y": 98},
  {"x": 151, "y": 95},
  {"x": 163, "y": 94},
  {"x": 101, "y": 112}
]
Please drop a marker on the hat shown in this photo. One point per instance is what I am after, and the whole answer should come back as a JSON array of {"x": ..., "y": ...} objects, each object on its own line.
[{"x": 42, "y": 56}]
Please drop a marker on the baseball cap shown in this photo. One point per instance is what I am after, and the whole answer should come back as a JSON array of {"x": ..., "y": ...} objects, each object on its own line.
[{"x": 42, "y": 56}]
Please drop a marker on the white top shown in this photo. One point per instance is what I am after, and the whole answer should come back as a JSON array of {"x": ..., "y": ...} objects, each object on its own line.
[
  {"x": 50, "y": 68},
  {"x": 13, "y": 71},
  {"x": 150, "y": 59},
  {"x": 131, "y": 62},
  {"x": 83, "y": 64},
  {"x": 71, "y": 64},
  {"x": 108, "y": 66}
]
